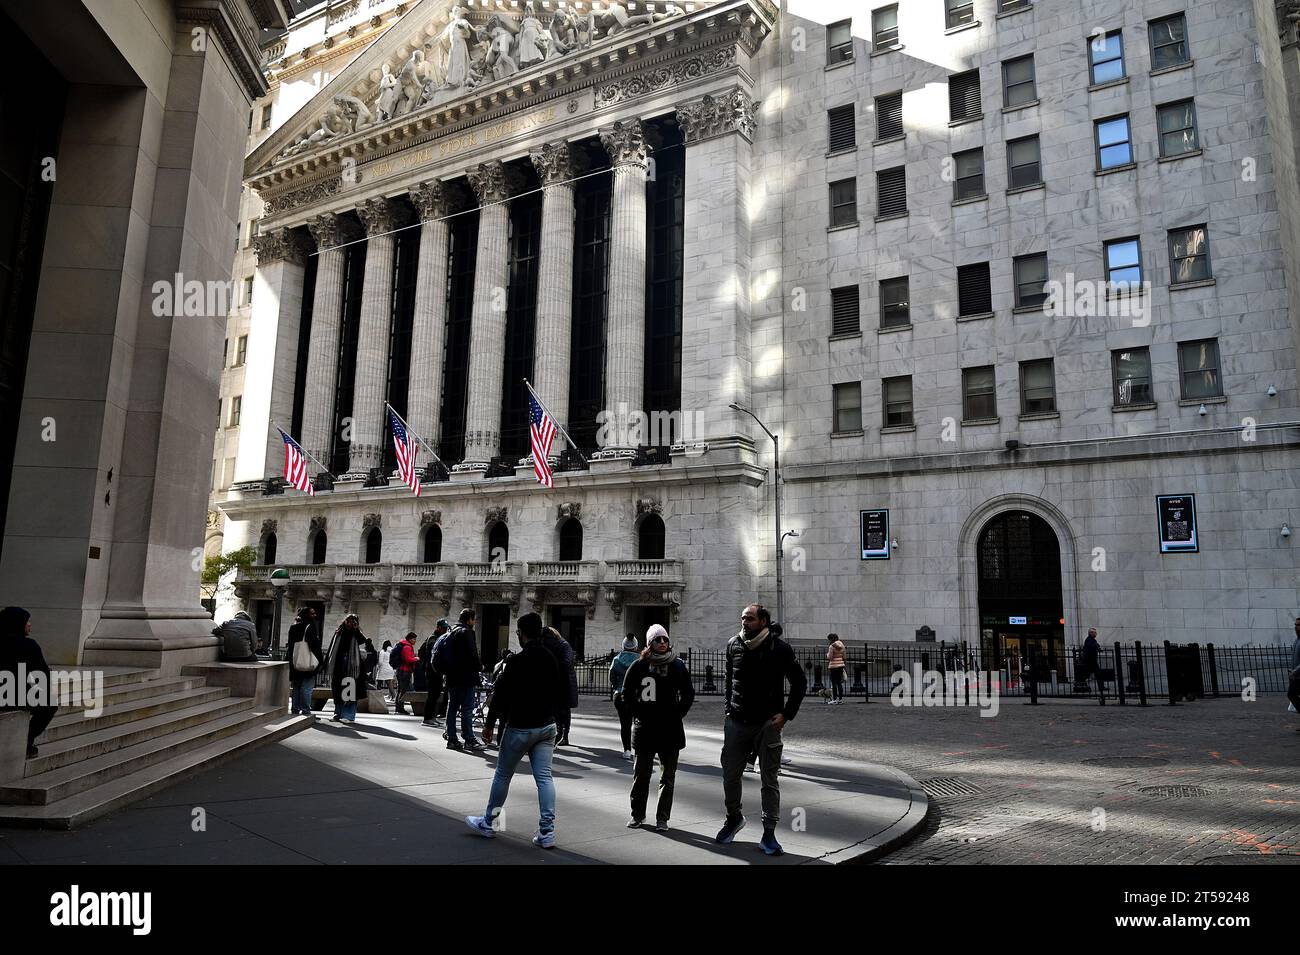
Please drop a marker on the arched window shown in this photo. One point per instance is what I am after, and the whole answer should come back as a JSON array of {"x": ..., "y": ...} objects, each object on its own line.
[
  {"x": 318, "y": 544},
  {"x": 432, "y": 544},
  {"x": 571, "y": 540},
  {"x": 499, "y": 542},
  {"x": 650, "y": 538},
  {"x": 374, "y": 541},
  {"x": 268, "y": 549}
]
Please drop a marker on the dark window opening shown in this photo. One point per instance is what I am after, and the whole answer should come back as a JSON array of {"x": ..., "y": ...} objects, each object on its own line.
[
  {"x": 590, "y": 287},
  {"x": 354, "y": 270},
  {"x": 499, "y": 542},
  {"x": 521, "y": 315},
  {"x": 571, "y": 540},
  {"x": 432, "y": 544},
  {"x": 665, "y": 233},
  {"x": 460, "y": 306},
  {"x": 374, "y": 544},
  {"x": 650, "y": 538},
  {"x": 405, "y": 259}
]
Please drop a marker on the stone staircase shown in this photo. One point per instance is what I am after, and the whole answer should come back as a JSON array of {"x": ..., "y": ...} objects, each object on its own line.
[{"x": 153, "y": 732}]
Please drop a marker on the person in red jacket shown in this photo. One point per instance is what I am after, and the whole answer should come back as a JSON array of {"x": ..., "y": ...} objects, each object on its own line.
[{"x": 410, "y": 660}]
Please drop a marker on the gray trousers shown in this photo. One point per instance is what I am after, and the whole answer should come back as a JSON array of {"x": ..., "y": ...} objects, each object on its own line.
[{"x": 739, "y": 740}]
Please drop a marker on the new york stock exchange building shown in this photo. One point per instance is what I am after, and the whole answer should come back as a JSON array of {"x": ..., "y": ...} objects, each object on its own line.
[{"x": 860, "y": 224}]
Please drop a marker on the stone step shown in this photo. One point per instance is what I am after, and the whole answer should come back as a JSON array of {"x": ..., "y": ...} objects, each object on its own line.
[
  {"x": 228, "y": 718},
  {"x": 176, "y": 765},
  {"x": 87, "y": 746},
  {"x": 76, "y": 724},
  {"x": 122, "y": 692},
  {"x": 116, "y": 676}
]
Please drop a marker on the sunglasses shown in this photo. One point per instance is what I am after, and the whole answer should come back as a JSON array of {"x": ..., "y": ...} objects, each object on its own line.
[{"x": 659, "y": 640}]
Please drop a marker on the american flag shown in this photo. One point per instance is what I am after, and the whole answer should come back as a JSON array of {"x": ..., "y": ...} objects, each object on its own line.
[
  {"x": 295, "y": 465},
  {"x": 541, "y": 431},
  {"x": 406, "y": 451}
]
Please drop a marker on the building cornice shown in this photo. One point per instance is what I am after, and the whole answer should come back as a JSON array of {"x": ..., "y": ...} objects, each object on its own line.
[{"x": 231, "y": 24}]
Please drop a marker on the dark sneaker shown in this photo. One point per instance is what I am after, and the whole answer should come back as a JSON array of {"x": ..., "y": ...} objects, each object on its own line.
[
  {"x": 661, "y": 825},
  {"x": 455, "y": 744},
  {"x": 473, "y": 745},
  {"x": 729, "y": 829},
  {"x": 769, "y": 844},
  {"x": 634, "y": 823}
]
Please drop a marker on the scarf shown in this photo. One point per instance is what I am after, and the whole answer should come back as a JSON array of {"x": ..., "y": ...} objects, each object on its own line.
[
  {"x": 757, "y": 641},
  {"x": 661, "y": 661},
  {"x": 345, "y": 642}
]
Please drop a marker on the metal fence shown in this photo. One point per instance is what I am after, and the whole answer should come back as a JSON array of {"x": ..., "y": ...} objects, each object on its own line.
[{"x": 1158, "y": 673}]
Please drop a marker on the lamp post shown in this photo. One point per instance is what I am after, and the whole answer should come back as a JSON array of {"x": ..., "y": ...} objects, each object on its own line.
[
  {"x": 279, "y": 580},
  {"x": 776, "y": 493}
]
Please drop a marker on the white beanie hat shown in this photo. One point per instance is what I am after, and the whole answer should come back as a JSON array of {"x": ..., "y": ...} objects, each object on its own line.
[{"x": 656, "y": 630}]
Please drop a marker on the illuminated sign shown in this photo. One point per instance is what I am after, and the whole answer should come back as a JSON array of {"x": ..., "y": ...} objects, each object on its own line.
[
  {"x": 1177, "y": 517},
  {"x": 1018, "y": 620},
  {"x": 875, "y": 535}
]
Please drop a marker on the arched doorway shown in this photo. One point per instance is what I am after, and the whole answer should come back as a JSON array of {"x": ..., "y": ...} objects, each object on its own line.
[
  {"x": 432, "y": 552},
  {"x": 571, "y": 540},
  {"x": 374, "y": 545},
  {"x": 498, "y": 542},
  {"x": 1021, "y": 610},
  {"x": 650, "y": 538}
]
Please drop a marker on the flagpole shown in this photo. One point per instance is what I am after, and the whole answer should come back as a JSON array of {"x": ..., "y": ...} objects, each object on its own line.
[
  {"x": 409, "y": 430},
  {"x": 558, "y": 426},
  {"x": 304, "y": 450}
]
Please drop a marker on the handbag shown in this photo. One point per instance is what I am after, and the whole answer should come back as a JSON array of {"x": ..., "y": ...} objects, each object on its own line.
[{"x": 303, "y": 659}]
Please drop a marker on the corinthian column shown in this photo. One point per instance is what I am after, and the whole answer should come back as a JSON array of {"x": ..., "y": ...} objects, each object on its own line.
[
  {"x": 493, "y": 184},
  {"x": 317, "y": 438},
  {"x": 556, "y": 165},
  {"x": 433, "y": 200},
  {"x": 625, "y": 327},
  {"x": 380, "y": 217}
]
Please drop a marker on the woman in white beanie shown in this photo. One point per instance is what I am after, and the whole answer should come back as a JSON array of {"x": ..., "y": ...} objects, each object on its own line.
[{"x": 658, "y": 691}]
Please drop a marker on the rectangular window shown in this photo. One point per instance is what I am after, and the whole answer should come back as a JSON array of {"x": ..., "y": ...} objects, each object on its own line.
[
  {"x": 1176, "y": 123},
  {"x": 891, "y": 192},
  {"x": 1168, "y": 42},
  {"x": 839, "y": 42},
  {"x": 1198, "y": 367},
  {"x": 1132, "y": 374},
  {"x": 236, "y": 405},
  {"x": 1018, "y": 86},
  {"x": 1113, "y": 145},
  {"x": 884, "y": 28},
  {"x": 241, "y": 351},
  {"x": 889, "y": 116},
  {"x": 1024, "y": 163},
  {"x": 1106, "y": 57},
  {"x": 252, "y": 231},
  {"x": 894, "y": 308},
  {"x": 266, "y": 116},
  {"x": 229, "y": 474},
  {"x": 1124, "y": 263},
  {"x": 248, "y": 290},
  {"x": 841, "y": 132},
  {"x": 1037, "y": 387},
  {"x": 1031, "y": 280},
  {"x": 848, "y": 406},
  {"x": 844, "y": 202},
  {"x": 964, "y": 96},
  {"x": 960, "y": 12},
  {"x": 1189, "y": 255},
  {"x": 897, "y": 402},
  {"x": 974, "y": 289},
  {"x": 844, "y": 310},
  {"x": 1010, "y": 6},
  {"x": 968, "y": 168},
  {"x": 225, "y": 358},
  {"x": 978, "y": 394}
]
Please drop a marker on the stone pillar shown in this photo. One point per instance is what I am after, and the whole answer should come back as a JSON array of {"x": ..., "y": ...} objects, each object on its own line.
[
  {"x": 369, "y": 420},
  {"x": 493, "y": 184},
  {"x": 717, "y": 132},
  {"x": 433, "y": 200},
  {"x": 272, "y": 353},
  {"x": 330, "y": 232},
  {"x": 625, "y": 324},
  {"x": 556, "y": 164}
]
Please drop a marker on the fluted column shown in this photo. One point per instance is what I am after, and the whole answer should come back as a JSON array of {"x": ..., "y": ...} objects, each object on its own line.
[
  {"x": 625, "y": 304},
  {"x": 433, "y": 200},
  {"x": 317, "y": 438},
  {"x": 493, "y": 184},
  {"x": 556, "y": 165},
  {"x": 380, "y": 217}
]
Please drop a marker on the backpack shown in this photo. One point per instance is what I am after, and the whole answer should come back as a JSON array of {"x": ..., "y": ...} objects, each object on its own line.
[
  {"x": 441, "y": 657},
  {"x": 425, "y": 653},
  {"x": 395, "y": 656}
]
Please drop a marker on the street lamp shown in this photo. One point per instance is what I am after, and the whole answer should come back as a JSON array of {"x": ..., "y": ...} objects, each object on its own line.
[
  {"x": 776, "y": 493},
  {"x": 279, "y": 580}
]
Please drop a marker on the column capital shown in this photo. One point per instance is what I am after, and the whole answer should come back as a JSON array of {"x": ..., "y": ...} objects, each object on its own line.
[
  {"x": 731, "y": 112},
  {"x": 330, "y": 229},
  {"x": 281, "y": 245},
  {"x": 557, "y": 162},
  {"x": 626, "y": 143},
  {"x": 435, "y": 199},
  {"x": 493, "y": 181},
  {"x": 380, "y": 215}
]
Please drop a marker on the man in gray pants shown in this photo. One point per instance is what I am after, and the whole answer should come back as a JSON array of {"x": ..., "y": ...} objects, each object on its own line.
[{"x": 759, "y": 663}]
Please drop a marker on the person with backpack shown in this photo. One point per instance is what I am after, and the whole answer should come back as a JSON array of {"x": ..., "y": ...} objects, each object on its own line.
[
  {"x": 564, "y": 658},
  {"x": 433, "y": 701},
  {"x": 657, "y": 691},
  {"x": 458, "y": 659},
  {"x": 385, "y": 672},
  {"x": 617, "y": 674},
  {"x": 404, "y": 660},
  {"x": 305, "y": 658}
]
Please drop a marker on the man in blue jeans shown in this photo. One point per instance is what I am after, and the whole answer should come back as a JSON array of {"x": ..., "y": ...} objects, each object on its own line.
[
  {"x": 462, "y": 680},
  {"x": 524, "y": 699}
]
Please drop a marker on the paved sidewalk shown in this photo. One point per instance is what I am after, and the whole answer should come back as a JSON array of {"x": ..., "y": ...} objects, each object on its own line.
[{"x": 388, "y": 791}]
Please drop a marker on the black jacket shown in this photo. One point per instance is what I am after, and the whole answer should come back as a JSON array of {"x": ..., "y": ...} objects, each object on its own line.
[
  {"x": 525, "y": 695},
  {"x": 22, "y": 649},
  {"x": 465, "y": 663},
  {"x": 659, "y": 699},
  {"x": 305, "y": 630},
  {"x": 755, "y": 684},
  {"x": 562, "y": 650}
]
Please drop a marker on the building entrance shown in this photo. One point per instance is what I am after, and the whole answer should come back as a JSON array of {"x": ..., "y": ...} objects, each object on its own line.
[
  {"x": 494, "y": 633},
  {"x": 1022, "y": 615}
]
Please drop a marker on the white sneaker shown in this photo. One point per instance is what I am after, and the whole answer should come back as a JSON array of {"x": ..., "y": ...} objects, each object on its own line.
[
  {"x": 545, "y": 840},
  {"x": 627, "y": 754},
  {"x": 480, "y": 825}
]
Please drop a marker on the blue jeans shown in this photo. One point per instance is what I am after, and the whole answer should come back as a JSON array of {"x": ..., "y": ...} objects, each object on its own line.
[
  {"x": 300, "y": 698},
  {"x": 460, "y": 698},
  {"x": 539, "y": 745},
  {"x": 348, "y": 711}
]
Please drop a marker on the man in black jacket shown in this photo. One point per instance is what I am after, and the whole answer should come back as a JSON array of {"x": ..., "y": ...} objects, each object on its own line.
[
  {"x": 759, "y": 663},
  {"x": 21, "y": 657},
  {"x": 524, "y": 701},
  {"x": 462, "y": 681}
]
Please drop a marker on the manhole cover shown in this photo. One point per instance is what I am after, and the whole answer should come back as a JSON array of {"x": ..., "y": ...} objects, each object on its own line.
[
  {"x": 1126, "y": 762},
  {"x": 1174, "y": 792},
  {"x": 950, "y": 786}
]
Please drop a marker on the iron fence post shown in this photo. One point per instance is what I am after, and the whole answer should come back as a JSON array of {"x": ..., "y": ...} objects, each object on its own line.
[
  {"x": 1141, "y": 673},
  {"x": 1169, "y": 676},
  {"x": 1214, "y": 670},
  {"x": 1033, "y": 677},
  {"x": 1119, "y": 673}
]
